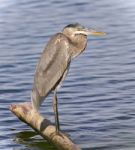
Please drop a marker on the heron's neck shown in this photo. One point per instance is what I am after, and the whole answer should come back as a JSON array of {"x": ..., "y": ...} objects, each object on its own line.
[{"x": 78, "y": 45}]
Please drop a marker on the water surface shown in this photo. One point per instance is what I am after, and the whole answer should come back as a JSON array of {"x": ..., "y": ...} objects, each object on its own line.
[{"x": 97, "y": 100}]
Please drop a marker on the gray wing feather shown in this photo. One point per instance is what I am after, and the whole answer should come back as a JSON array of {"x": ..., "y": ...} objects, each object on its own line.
[{"x": 52, "y": 64}]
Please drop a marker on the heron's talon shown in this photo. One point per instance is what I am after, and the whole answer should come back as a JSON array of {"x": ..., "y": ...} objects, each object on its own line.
[{"x": 57, "y": 132}]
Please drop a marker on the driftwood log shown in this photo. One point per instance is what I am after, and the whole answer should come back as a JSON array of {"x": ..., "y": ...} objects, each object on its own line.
[{"x": 43, "y": 126}]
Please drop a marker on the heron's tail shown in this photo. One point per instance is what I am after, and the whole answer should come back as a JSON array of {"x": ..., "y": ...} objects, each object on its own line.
[{"x": 35, "y": 99}]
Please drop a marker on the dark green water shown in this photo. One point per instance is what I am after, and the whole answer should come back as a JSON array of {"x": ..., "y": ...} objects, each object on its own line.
[{"x": 97, "y": 100}]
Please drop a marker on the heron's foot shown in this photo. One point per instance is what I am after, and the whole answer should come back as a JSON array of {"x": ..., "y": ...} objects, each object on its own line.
[{"x": 58, "y": 132}]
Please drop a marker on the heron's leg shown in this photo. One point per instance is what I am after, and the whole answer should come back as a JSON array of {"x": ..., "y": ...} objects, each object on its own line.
[{"x": 55, "y": 107}]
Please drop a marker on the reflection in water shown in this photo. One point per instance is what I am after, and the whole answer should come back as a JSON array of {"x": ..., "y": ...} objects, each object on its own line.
[
  {"x": 31, "y": 140},
  {"x": 96, "y": 102}
]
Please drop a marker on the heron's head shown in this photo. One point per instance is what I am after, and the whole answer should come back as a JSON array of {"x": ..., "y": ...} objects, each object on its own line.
[{"x": 77, "y": 29}]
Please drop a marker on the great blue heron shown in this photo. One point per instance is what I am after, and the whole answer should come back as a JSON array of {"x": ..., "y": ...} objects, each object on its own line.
[{"x": 54, "y": 63}]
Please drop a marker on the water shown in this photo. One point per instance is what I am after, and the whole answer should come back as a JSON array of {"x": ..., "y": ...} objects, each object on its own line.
[{"x": 97, "y": 100}]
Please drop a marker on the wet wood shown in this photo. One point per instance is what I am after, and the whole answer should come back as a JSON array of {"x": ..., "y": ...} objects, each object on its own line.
[{"x": 43, "y": 126}]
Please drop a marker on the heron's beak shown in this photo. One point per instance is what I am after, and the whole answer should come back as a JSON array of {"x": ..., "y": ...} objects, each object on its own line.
[
  {"x": 94, "y": 32},
  {"x": 90, "y": 32}
]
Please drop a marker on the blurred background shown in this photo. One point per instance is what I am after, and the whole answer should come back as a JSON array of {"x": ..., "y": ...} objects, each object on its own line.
[{"x": 97, "y": 100}]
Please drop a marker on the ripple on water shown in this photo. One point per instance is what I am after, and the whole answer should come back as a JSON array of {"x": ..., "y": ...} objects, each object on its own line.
[{"x": 96, "y": 102}]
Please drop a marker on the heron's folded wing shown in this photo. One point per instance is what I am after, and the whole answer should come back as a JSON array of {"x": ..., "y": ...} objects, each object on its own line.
[{"x": 52, "y": 64}]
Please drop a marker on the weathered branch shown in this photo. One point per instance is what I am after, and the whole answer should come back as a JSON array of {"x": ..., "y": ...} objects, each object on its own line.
[{"x": 43, "y": 126}]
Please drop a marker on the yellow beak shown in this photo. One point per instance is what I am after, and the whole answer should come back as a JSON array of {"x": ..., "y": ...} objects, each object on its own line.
[
  {"x": 94, "y": 32},
  {"x": 90, "y": 32}
]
